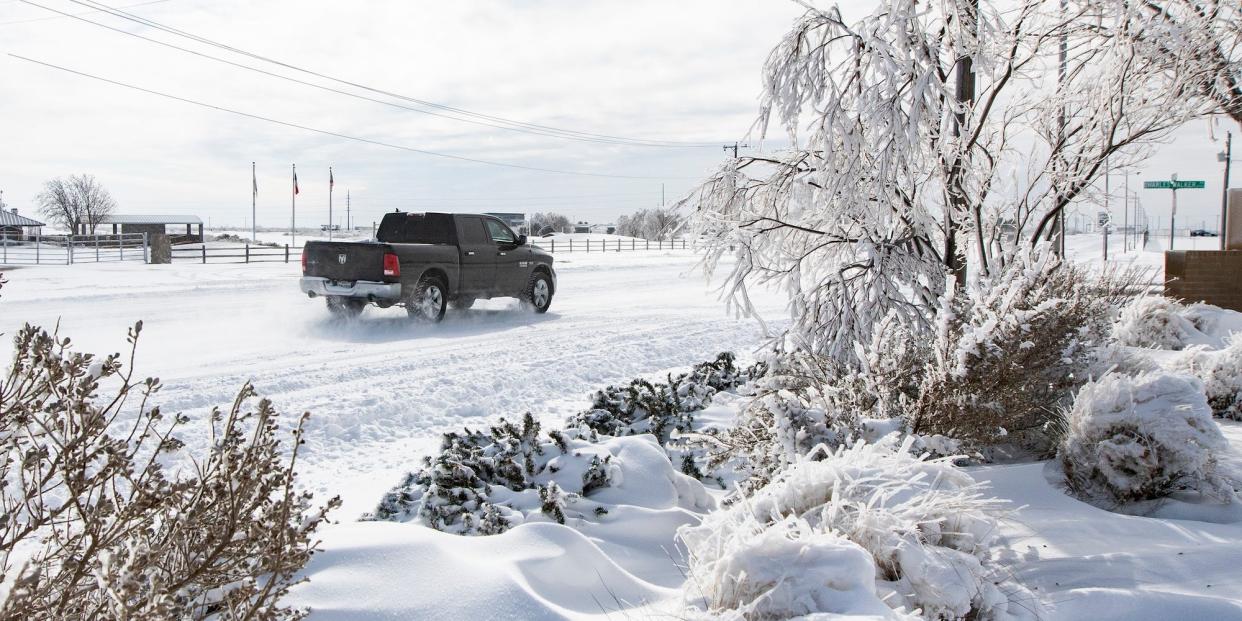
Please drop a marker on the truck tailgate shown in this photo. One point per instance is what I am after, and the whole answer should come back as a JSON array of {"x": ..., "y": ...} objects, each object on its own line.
[{"x": 346, "y": 260}]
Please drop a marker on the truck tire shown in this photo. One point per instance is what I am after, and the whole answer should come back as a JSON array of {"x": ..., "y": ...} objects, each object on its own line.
[
  {"x": 345, "y": 308},
  {"x": 538, "y": 294},
  {"x": 428, "y": 301},
  {"x": 462, "y": 302}
]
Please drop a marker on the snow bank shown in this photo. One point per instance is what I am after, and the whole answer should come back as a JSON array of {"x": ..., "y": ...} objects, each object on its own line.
[
  {"x": 1221, "y": 374},
  {"x": 924, "y": 525},
  {"x": 1161, "y": 323},
  {"x": 379, "y": 570},
  {"x": 1140, "y": 438}
]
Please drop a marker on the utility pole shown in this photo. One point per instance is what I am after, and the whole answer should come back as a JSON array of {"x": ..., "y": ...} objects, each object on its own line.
[
  {"x": 1107, "y": 214},
  {"x": 733, "y": 147},
  {"x": 735, "y": 157},
  {"x": 348, "y": 222},
  {"x": 1125, "y": 216},
  {"x": 331, "y": 182},
  {"x": 293, "y": 210},
  {"x": 254, "y": 194},
  {"x": 1224, "y": 195}
]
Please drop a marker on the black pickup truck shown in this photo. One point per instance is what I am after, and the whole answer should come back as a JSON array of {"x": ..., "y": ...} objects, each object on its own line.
[{"x": 424, "y": 261}]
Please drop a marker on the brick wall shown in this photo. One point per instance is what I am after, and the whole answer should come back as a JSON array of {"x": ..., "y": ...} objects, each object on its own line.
[{"x": 1212, "y": 276}]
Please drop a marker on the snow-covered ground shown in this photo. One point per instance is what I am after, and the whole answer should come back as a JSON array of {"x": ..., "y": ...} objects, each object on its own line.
[
  {"x": 1088, "y": 248},
  {"x": 381, "y": 390}
]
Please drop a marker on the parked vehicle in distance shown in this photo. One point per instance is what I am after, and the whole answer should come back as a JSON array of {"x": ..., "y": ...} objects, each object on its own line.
[
  {"x": 1202, "y": 233},
  {"x": 426, "y": 261}
]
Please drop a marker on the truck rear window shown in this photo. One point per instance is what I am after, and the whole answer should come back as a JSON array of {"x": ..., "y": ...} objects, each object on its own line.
[{"x": 416, "y": 228}]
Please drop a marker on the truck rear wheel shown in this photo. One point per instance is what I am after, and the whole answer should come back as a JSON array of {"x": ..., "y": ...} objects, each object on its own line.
[
  {"x": 538, "y": 294},
  {"x": 428, "y": 301},
  {"x": 345, "y": 308}
]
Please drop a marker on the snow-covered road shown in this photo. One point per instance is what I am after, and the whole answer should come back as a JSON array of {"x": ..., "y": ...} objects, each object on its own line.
[{"x": 381, "y": 389}]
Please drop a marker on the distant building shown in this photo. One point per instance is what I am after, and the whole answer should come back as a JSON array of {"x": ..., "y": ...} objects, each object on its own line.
[
  {"x": 516, "y": 221},
  {"x": 158, "y": 224},
  {"x": 607, "y": 229},
  {"x": 14, "y": 226},
  {"x": 582, "y": 227}
]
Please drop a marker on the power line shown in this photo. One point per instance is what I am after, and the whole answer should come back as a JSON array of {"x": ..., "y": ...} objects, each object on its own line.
[
  {"x": 320, "y": 86},
  {"x": 530, "y": 127},
  {"x": 41, "y": 19},
  {"x": 325, "y": 132}
]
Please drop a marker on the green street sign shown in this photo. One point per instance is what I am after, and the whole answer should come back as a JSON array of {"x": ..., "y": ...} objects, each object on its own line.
[{"x": 1174, "y": 185}]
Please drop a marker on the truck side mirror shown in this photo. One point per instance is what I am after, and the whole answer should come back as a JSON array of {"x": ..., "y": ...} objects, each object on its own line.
[{"x": 521, "y": 240}]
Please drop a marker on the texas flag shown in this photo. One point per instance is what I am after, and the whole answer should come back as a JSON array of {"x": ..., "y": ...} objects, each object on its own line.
[
  {"x": 331, "y": 183},
  {"x": 295, "y": 181}
]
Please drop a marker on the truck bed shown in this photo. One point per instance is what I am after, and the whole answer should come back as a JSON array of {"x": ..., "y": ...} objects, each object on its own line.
[{"x": 347, "y": 261}]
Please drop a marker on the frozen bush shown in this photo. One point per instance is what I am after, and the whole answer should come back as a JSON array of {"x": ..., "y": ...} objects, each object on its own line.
[
  {"x": 790, "y": 569},
  {"x": 464, "y": 488},
  {"x": 96, "y": 525},
  {"x": 661, "y": 408},
  {"x": 1221, "y": 374},
  {"x": 1154, "y": 321},
  {"x": 1133, "y": 438},
  {"x": 926, "y": 528},
  {"x": 1007, "y": 350}
]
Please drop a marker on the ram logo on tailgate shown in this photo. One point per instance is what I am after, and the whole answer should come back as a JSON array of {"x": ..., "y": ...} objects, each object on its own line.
[{"x": 340, "y": 258}]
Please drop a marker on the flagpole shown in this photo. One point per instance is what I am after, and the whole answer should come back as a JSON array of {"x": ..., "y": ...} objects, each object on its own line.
[
  {"x": 293, "y": 218},
  {"x": 254, "y": 193},
  {"x": 330, "y": 184}
]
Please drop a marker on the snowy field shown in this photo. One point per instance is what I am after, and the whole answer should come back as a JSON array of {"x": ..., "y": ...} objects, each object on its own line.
[
  {"x": 383, "y": 390},
  {"x": 380, "y": 389}
]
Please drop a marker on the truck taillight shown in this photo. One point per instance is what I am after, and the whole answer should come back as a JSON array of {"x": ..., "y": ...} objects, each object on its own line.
[
  {"x": 304, "y": 261},
  {"x": 392, "y": 267}
]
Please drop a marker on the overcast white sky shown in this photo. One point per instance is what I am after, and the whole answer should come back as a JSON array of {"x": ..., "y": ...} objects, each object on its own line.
[{"x": 651, "y": 69}]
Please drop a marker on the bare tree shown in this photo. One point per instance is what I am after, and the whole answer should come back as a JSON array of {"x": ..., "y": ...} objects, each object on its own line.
[
  {"x": 551, "y": 222},
  {"x": 59, "y": 205},
  {"x": 657, "y": 223},
  {"x": 663, "y": 223},
  {"x": 931, "y": 142},
  {"x": 76, "y": 202}
]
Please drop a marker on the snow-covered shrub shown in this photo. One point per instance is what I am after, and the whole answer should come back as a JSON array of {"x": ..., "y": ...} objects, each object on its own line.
[
  {"x": 773, "y": 431},
  {"x": 664, "y": 407},
  {"x": 1154, "y": 321},
  {"x": 1221, "y": 373},
  {"x": 1133, "y": 438},
  {"x": 793, "y": 547},
  {"x": 96, "y": 523},
  {"x": 471, "y": 485},
  {"x": 484, "y": 483},
  {"x": 1007, "y": 350}
]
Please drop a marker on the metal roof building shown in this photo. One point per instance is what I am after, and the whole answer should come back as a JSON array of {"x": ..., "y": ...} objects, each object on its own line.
[
  {"x": 152, "y": 219},
  {"x": 156, "y": 224},
  {"x": 14, "y": 226},
  {"x": 11, "y": 219}
]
